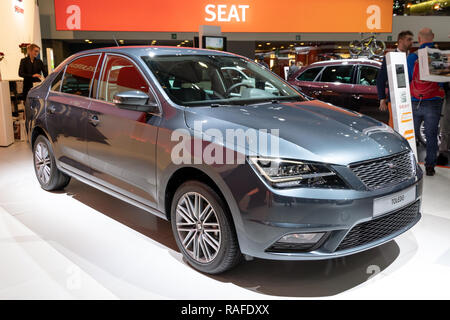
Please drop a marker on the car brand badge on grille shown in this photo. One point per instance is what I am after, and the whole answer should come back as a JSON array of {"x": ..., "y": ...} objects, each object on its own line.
[{"x": 392, "y": 167}]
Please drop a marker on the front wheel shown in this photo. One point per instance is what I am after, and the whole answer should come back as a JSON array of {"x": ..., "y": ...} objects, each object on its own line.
[
  {"x": 377, "y": 47},
  {"x": 203, "y": 229}
]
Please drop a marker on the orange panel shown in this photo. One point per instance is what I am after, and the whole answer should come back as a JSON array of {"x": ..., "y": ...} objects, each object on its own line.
[{"x": 231, "y": 15}]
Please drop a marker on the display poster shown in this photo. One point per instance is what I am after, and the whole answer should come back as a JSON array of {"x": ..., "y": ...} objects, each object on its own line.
[
  {"x": 215, "y": 43},
  {"x": 434, "y": 65}
]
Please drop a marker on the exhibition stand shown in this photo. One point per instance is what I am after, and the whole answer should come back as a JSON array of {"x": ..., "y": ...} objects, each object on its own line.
[
  {"x": 6, "y": 121},
  {"x": 401, "y": 97}
]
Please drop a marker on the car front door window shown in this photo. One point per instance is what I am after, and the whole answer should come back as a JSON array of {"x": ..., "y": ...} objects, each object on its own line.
[
  {"x": 120, "y": 75},
  {"x": 337, "y": 74}
]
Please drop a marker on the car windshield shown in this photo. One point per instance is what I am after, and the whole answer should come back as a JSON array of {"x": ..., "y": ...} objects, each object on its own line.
[{"x": 198, "y": 80}]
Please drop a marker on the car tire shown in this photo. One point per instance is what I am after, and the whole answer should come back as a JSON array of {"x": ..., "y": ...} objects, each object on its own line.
[
  {"x": 208, "y": 242},
  {"x": 47, "y": 173}
]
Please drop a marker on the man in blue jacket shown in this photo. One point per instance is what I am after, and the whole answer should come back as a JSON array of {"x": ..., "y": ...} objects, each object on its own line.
[{"x": 427, "y": 98}]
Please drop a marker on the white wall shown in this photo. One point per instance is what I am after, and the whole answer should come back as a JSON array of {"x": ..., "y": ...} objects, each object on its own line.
[
  {"x": 439, "y": 25},
  {"x": 17, "y": 28}
]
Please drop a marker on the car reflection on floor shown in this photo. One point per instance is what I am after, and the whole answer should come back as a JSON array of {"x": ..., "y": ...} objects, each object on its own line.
[{"x": 133, "y": 254}]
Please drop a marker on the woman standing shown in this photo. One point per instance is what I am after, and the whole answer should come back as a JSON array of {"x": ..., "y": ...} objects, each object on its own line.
[{"x": 31, "y": 69}]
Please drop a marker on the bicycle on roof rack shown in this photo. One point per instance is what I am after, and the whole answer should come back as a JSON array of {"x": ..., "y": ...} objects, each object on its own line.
[{"x": 370, "y": 46}]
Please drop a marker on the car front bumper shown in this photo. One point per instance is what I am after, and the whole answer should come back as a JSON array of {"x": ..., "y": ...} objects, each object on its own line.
[{"x": 268, "y": 214}]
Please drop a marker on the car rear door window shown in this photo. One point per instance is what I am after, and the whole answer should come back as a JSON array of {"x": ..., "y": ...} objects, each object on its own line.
[
  {"x": 309, "y": 74},
  {"x": 78, "y": 75},
  {"x": 120, "y": 74},
  {"x": 367, "y": 76},
  {"x": 340, "y": 74}
]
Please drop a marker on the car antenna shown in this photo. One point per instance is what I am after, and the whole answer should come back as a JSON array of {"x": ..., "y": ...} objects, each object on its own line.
[{"x": 114, "y": 37}]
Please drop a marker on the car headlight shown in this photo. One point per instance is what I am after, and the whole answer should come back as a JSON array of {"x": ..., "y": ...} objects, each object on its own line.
[{"x": 282, "y": 173}]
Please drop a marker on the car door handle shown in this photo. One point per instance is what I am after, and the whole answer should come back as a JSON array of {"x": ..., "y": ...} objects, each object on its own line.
[
  {"x": 51, "y": 109},
  {"x": 94, "y": 120}
]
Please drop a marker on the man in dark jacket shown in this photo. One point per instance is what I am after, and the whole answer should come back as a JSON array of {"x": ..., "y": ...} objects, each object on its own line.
[
  {"x": 404, "y": 44},
  {"x": 31, "y": 68}
]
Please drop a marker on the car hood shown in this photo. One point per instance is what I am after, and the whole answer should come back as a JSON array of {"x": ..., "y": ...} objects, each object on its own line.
[{"x": 310, "y": 130}]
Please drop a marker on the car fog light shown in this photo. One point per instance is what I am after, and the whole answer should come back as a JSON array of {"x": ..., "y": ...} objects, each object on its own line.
[{"x": 303, "y": 238}]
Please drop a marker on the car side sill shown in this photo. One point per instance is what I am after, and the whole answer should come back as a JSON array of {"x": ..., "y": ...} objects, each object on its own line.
[{"x": 113, "y": 193}]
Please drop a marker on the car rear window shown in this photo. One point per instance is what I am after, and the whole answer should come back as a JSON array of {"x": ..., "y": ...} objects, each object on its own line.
[
  {"x": 78, "y": 75},
  {"x": 340, "y": 74},
  {"x": 309, "y": 74},
  {"x": 367, "y": 76}
]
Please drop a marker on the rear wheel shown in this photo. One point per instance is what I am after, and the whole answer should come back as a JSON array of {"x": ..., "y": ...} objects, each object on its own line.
[
  {"x": 48, "y": 175},
  {"x": 203, "y": 228}
]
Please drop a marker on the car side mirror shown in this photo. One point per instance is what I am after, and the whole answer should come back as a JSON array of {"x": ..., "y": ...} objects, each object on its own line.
[{"x": 135, "y": 100}]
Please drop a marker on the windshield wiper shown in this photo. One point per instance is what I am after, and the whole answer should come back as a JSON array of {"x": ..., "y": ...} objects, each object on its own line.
[
  {"x": 216, "y": 105},
  {"x": 246, "y": 102},
  {"x": 273, "y": 101}
]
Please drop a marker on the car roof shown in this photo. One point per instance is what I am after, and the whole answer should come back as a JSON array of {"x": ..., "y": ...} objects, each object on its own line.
[
  {"x": 140, "y": 51},
  {"x": 346, "y": 61}
]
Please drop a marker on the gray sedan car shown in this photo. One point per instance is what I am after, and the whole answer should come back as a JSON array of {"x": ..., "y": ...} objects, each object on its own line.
[{"x": 240, "y": 168}]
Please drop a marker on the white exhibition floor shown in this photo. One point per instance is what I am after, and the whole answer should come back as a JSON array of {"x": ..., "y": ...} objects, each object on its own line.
[{"x": 84, "y": 244}]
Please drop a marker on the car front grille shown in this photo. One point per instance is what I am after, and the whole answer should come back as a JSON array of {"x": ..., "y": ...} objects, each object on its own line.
[
  {"x": 381, "y": 227},
  {"x": 384, "y": 172}
]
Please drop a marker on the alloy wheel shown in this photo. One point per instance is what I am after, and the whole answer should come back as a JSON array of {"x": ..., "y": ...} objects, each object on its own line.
[
  {"x": 198, "y": 227},
  {"x": 42, "y": 162}
]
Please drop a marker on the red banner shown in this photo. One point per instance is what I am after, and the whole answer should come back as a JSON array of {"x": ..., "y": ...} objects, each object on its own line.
[{"x": 231, "y": 15}]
